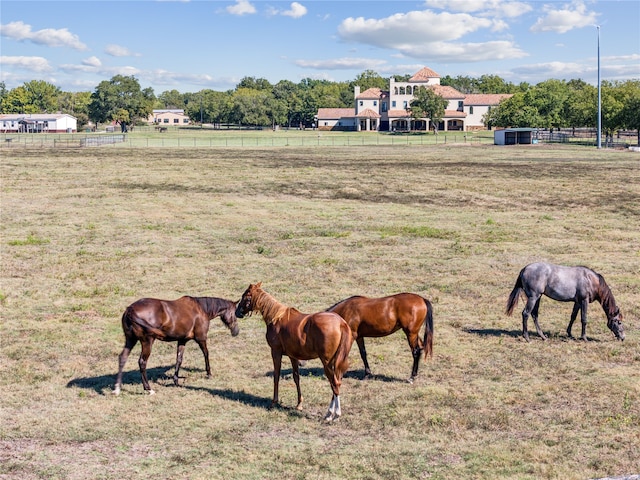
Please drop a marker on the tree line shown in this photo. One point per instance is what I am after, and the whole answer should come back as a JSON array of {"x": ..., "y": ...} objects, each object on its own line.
[{"x": 255, "y": 102}]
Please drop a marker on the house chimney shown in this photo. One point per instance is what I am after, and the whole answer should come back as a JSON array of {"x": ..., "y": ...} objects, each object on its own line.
[{"x": 356, "y": 92}]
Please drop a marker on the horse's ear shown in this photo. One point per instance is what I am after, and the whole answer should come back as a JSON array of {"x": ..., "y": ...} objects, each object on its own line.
[{"x": 259, "y": 285}]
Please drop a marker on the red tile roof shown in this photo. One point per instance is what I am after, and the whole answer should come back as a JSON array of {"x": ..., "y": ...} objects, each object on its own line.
[
  {"x": 485, "y": 98},
  {"x": 367, "y": 112},
  {"x": 372, "y": 92},
  {"x": 332, "y": 113},
  {"x": 447, "y": 92},
  {"x": 424, "y": 75}
]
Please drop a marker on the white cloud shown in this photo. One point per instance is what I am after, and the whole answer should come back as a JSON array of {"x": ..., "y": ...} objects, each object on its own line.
[
  {"x": 49, "y": 37},
  {"x": 119, "y": 51},
  {"x": 296, "y": 11},
  {"x": 496, "y": 8},
  {"x": 92, "y": 62},
  {"x": 568, "y": 17},
  {"x": 33, "y": 64},
  {"x": 341, "y": 64},
  {"x": 430, "y": 36},
  {"x": 242, "y": 7}
]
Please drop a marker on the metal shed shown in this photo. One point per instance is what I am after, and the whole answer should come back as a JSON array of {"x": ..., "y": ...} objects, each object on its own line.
[{"x": 515, "y": 136}]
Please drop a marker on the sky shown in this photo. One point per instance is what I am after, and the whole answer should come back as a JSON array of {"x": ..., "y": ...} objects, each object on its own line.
[{"x": 191, "y": 45}]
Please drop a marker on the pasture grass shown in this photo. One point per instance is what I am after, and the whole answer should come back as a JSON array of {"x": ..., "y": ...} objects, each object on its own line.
[{"x": 86, "y": 232}]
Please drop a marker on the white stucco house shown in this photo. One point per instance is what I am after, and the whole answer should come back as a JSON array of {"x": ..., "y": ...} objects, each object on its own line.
[
  {"x": 379, "y": 110},
  {"x": 169, "y": 117},
  {"x": 38, "y": 123}
]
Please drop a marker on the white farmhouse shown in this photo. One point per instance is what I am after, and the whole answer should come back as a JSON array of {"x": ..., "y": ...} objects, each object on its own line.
[{"x": 38, "y": 123}]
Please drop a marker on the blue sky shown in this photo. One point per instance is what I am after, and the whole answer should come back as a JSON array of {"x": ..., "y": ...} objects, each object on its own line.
[{"x": 200, "y": 44}]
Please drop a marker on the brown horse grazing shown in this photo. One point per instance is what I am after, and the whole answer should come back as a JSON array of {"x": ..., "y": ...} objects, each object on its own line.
[
  {"x": 379, "y": 317},
  {"x": 181, "y": 320},
  {"x": 301, "y": 336},
  {"x": 579, "y": 285}
]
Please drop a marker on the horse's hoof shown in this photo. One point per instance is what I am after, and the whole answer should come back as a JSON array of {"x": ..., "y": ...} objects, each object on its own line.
[
  {"x": 151, "y": 392},
  {"x": 116, "y": 391},
  {"x": 410, "y": 380}
]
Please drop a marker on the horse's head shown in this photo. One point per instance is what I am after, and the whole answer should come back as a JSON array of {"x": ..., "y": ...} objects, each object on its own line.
[
  {"x": 615, "y": 324},
  {"x": 228, "y": 317},
  {"x": 247, "y": 304}
]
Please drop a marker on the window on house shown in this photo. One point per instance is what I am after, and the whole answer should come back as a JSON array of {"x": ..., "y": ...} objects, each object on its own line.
[
  {"x": 395, "y": 90},
  {"x": 393, "y": 104},
  {"x": 361, "y": 103},
  {"x": 460, "y": 104},
  {"x": 375, "y": 103},
  {"x": 186, "y": 120},
  {"x": 408, "y": 90},
  {"x": 384, "y": 106},
  {"x": 404, "y": 105},
  {"x": 402, "y": 90},
  {"x": 471, "y": 110},
  {"x": 176, "y": 120},
  {"x": 166, "y": 120}
]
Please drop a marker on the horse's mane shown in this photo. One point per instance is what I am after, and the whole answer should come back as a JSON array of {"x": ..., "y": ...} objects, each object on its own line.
[
  {"x": 606, "y": 298},
  {"x": 212, "y": 306},
  {"x": 272, "y": 310}
]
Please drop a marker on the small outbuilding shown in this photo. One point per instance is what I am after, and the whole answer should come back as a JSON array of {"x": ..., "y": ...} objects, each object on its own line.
[{"x": 515, "y": 136}]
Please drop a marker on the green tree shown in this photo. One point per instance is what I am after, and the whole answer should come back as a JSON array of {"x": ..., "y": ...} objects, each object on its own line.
[
  {"x": 249, "y": 107},
  {"x": 628, "y": 93},
  {"x": 254, "y": 83},
  {"x": 370, "y": 79},
  {"x": 18, "y": 100},
  {"x": 3, "y": 96},
  {"x": 76, "y": 104},
  {"x": 43, "y": 96},
  {"x": 171, "y": 99},
  {"x": 121, "y": 100},
  {"x": 428, "y": 104}
]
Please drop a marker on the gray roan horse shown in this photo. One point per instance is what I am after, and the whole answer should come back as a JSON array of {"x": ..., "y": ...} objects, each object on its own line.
[
  {"x": 580, "y": 285},
  {"x": 181, "y": 320}
]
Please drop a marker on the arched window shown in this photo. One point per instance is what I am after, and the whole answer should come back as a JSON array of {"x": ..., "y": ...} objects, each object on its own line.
[
  {"x": 395, "y": 90},
  {"x": 409, "y": 90},
  {"x": 402, "y": 91}
]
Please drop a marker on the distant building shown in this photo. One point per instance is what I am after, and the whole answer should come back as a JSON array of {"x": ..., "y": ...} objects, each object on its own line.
[
  {"x": 169, "y": 116},
  {"x": 376, "y": 109},
  {"x": 38, "y": 123}
]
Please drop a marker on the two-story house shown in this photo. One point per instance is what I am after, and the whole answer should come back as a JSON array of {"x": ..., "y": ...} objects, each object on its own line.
[{"x": 379, "y": 110}]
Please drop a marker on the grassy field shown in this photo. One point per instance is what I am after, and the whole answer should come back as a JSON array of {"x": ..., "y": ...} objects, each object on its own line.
[{"x": 85, "y": 232}]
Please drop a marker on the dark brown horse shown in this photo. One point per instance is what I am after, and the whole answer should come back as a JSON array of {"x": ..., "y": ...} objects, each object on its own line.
[
  {"x": 301, "y": 336},
  {"x": 181, "y": 320},
  {"x": 579, "y": 285},
  {"x": 379, "y": 317}
]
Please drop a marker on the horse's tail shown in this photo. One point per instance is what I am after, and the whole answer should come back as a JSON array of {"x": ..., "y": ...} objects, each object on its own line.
[
  {"x": 344, "y": 347},
  {"x": 428, "y": 330},
  {"x": 515, "y": 294}
]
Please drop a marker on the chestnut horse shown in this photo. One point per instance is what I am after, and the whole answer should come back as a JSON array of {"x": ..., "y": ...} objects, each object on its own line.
[
  {"x": 579, "y": 285},
  {"x": 181, "y": 320},
  {"x": 301, "y": 336},
  {"x": 379, "y": 317}
]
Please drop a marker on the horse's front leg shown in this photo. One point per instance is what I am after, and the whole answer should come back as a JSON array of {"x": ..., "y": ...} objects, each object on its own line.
[
  {"x": 574, "y": 315},
  {"x": 179, "y": 356},
  {"x": 202, "y": 343},
  {"x": 295, "y": 367},
  {"x": 583, "y": 319},
  {"x": 363, "y": 355},
  {"x": 277, "y": 364},
  {"x": 334, "y": 411}
]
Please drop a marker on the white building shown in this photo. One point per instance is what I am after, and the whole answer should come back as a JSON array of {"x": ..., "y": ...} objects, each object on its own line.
[
  {"x": 376, "y": 109},
  {"x": 169, "y": 117},
  {"x": 38, "y": 123}
]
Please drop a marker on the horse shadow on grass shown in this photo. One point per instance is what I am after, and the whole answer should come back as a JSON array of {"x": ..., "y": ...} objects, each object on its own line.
[
  {"x": 517, "y": 334},
  {"x": 107, "y": 382},
  {"x": 310, "y": 371}
]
